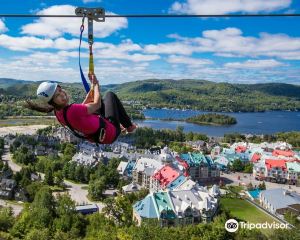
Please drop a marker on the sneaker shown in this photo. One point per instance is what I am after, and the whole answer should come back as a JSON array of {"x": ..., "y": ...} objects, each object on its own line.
[{"x": 132, "y": 128}]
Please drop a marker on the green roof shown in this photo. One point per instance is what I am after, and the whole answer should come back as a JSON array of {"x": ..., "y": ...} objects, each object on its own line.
[
  {"x": 164, "y": 205},
  {"x": 199, "y": 158}
]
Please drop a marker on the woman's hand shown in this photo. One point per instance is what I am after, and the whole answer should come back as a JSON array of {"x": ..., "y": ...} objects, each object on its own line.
[
  {"x": 89, "y": 97},
  {"x": 95, "y": 90},
  {"x": 93, "y": 79}
]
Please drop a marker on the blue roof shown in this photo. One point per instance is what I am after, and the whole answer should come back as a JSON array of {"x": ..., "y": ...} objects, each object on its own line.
[
  {"x": 209, "y": 161},
  {"x": 186, "y": 157},
  {"x": 220, "y": 166},
  {"x": 194, "y": 159},
  {"x": 176, "y": 182},
  {"x": 231, "y": 156},
  {"x": 130, "y": 167},
  {"x": 146, "y": 208},
  {"x": 228, "y": 151},
  {"x": 243, "y": 156}
]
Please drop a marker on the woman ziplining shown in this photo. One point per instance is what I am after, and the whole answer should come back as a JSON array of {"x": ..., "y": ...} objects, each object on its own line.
[{"x": 96, "y": 120}]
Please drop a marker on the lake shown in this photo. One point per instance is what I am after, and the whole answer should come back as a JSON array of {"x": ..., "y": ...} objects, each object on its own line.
[{"x": 254, "y": 123}]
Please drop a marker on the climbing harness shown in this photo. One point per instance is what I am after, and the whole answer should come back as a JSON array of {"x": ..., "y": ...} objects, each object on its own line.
[
  {"x": 92, "y": 14},
  {"x": 96, "y": 137}
]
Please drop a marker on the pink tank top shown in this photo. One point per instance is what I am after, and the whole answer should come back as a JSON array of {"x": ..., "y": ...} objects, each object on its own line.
[{"x": 85, "y": 123}]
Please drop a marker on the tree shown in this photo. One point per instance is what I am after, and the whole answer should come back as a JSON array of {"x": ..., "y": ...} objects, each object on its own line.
[
  {"x": 7, "y": 169},
  {"x": 262, "y": 186},
  {"x": 79, "y": 173},
  {"x": 6, "y": 219},
  {"x": 250, "y": 186},
  {"x": 292, "y": 218},
  {"x": 44, "y": 131},
  {"x": 33, "y": 188},
  {"x": 49, "y": 177},
  {"x": 23, "y": 178},
  {"x": 100, "y": 227},
  {"x": 42, "y": 208},
  {"x": 119, "y": 209},
  {"x": 96, "y": 188},
  {"x": 58, "y": 178},
  {"x": 237, "y": 165},
  {"x": 38, "y": 234},
  {"x": 252, "y": 234},
  {"x": 24, "y": 156},
  {"x": 69, "y": 151},
  {"x": 1, "y": 148},
  {"x": 285, "y": 234},
  {"x": 67, "y": 219},
  {"x": 248, "y": 168}
]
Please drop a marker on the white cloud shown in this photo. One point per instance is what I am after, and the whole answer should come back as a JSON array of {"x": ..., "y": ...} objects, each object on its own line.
[
  {"x": 255, "y": 64},
  {"x": 89, "y": 1},
  {"x": 192, "y": 62},
  {"x": 230, "y": 42},
  {"x": 66, "y": 44},
  {"x": 170, "y": 48},
  {"x": 56, "y": 27},
  {"x": 3, "y": 28},
  {"x": 35, "y": 72},
  {"x": 126, "y": 50},
  {"x": 230, "y": 6},
  {"x": 44, "y": 59},
  {"x": 26, "y": 43}
]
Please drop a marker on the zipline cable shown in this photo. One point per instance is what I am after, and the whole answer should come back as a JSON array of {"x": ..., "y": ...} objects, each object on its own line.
[{"x": 155, "y": 15}]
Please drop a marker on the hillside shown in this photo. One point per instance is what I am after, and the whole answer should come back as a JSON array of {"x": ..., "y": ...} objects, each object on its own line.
[
  {"x": 205, "y": 95},
  {"x": 195, "y": 94}
]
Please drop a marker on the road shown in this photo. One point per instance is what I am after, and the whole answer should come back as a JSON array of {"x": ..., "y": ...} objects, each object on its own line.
[
  {"x": 17, "y": 208},
  {"x": 75, "y": 190},
  {"x": 6, "y": 157},
  {"x": 233, "y": 177}
]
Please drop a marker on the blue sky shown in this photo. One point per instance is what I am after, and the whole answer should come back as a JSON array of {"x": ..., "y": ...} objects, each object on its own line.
[{"x": 237, "y": 50}]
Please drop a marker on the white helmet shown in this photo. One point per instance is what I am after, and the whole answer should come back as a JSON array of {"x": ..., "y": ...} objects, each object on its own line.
[{"x": 46, "y": 91}]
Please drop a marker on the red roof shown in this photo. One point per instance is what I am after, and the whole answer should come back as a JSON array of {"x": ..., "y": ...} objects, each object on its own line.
[
  {"x": 283, "y": 153},
  {"x": 255, "y": 157},
  {"x": 182, "y": 162},
  {"x": 271, "y": 163},
  {"x": 240, "y": 149},
  {"x": 166, "y": 175}
]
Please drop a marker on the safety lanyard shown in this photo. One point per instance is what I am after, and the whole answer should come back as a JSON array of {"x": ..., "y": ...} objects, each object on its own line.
[
  {"x": 91, "y": 58},
  {"x": 97, "y": 14},
  {"x": 83, "y": 79}
]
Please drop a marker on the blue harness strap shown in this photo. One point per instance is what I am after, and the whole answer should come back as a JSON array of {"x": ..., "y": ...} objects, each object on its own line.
[{"x": 83, "y": 79}]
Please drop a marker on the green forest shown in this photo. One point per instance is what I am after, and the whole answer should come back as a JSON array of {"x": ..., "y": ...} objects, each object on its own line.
[
  {"x": 182, "y": 94},
  {"x": 212, "y": 119}
]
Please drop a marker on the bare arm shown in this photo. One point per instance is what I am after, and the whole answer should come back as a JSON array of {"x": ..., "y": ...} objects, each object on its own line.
[
  {"x": 93, "y": 106},
  {"x": 89, "y": 98}
]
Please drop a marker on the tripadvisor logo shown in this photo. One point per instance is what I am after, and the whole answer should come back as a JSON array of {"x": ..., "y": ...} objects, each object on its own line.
[{"x": 233, "y": 225}]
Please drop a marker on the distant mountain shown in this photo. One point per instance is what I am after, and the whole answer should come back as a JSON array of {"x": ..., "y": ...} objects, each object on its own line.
[
  {"x": 7, "y": 82},
  {"x": 186, "y": 93},
  {"x": 211, "y": 96}
]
